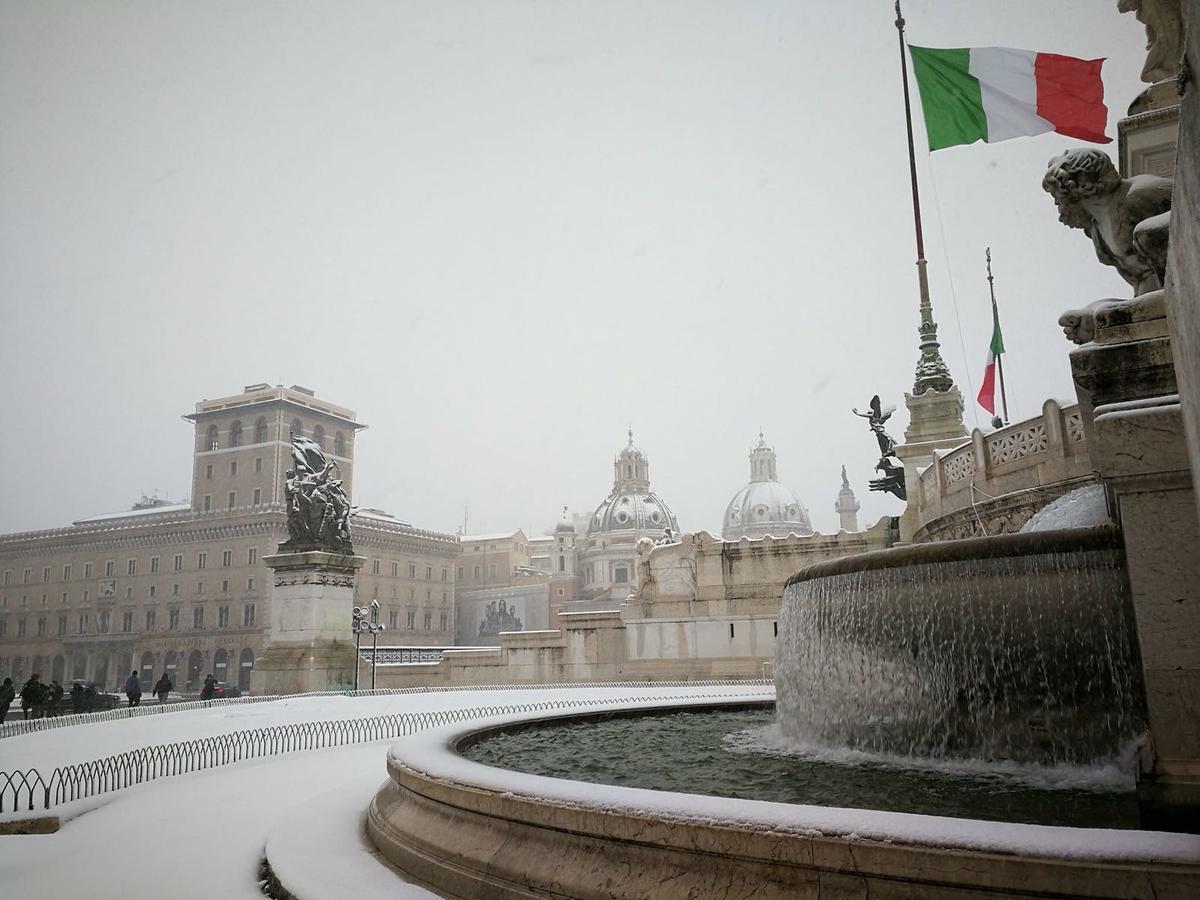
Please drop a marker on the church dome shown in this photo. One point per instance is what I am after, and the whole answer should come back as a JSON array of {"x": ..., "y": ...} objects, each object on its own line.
[
  {"x": 632, "y": 506},
  {"x": 765, "y": 506}
]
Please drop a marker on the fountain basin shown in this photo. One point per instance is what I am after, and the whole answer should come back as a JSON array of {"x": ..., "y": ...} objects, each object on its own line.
[
  {"x": 1017, "y": 648},
  {"x": 472, "y": 830}
]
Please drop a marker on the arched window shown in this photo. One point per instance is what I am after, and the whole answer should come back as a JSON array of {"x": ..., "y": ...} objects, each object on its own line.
[
  {"x": 260, "y": 430},
  {"x": 339, "y": 444},
  {"x": 148, "y": 667},
  {"x": 235, "y": 433},
  {"x": 245, "y": 667},
  {"x": 221, "y": 665},
  {"x": 211, "y": 440},
  {"x": 297, "y": 428},
  {"x": 318, "y": 436},
  {"x": 195, "y": 660},
  {"x": 562, "y": 564}
]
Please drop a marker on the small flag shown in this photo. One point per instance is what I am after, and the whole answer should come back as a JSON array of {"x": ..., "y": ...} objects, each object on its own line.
[
  {"x": 996, "y": 93},
  {"x": 987, "y": 392}
]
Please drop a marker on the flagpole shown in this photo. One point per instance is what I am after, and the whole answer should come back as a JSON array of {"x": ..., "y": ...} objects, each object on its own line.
[
  {"x": 996, "y": 323},
  {"x": 932, "y": 372}
]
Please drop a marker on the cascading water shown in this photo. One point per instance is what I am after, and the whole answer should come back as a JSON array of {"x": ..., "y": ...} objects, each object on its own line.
[{"x": 1018, "y": 648}]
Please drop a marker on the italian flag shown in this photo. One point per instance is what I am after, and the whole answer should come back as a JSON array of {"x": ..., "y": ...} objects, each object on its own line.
[
  {"x": 996, "y": 93},
  {"x": 987, "y": 392}
]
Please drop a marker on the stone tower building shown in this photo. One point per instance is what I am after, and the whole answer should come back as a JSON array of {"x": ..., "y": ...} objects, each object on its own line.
[{"x": 847, "y": 506}]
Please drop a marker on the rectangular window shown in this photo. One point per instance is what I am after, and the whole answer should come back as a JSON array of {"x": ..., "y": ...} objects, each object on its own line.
[
  {"x": 207, "y": 502},
  {"x": 392, "y": 617},
  {"x": 3, "y": 627},
  {"x": 775, "y": 628},
  {"x": 412, "y": 619},
  {"x": 154, "y": 565},
  {"x": 128, "y": 593},
  {"x": 225, "y": 586},
  {"x": 153, "y": 591},
  {"x": 175, "y": 589},
  {"x": 109, "y": 567},
  {"x": 257, "y": 496},
  {"x": 20, "y": 628},
  {"x": 131, "y": 567},
  {"x": 7, "y": 577},
  {"x": 412, "y": 570},
  {"x": 227, "y": 558},
  {"x": 151, "y": 614},
  {"x": 27, "y": 574},
  {"x": 459, "y": 573},
  {"x": 731, "y": 631},
  {"x": 62, "y": 624},
  {"x": 208, "y": 472},
  {"x": 45, "y": 574},
  {"x": 83, "y": 623},
  {"x": 443, "y": 625},
  {"x": 395, "y": 569},
  {"x": 232, "y": 499},
  {"x": 86, "y": 594},
  {"x": 198, "y": 617},
  {"x": 44, "y": 604},
  {"x": 445, "y": 574},
  {"x": 223, "y": 617},
  {"x": 66, "y": 599},
  {"x": 428, "y": 620},
  {"x": 199, "y": 587},
  {"x": 251, "y": 556},
  {"x": 233, "y": 469},
  {"x": 173, "y": 620},
  {"x": 87, "y": 570},
  {"x": 374, "y": 567},
  {"x": 248, "y": 614},
  {"x": 103, "y": 621},
  {"x": 41, "y": 626},
  {"x": 202, "y": 561},
  {"x": 178, "y": 562},
  {"x": 621, "y": 575},
  {"x": 491, "y": 570},
  {"x": 475, "y": 573},
  {"x": 249, "y": 584},
  {"x": 429, "y": 573},
  {"x": 127, "y": 621},
  {"x": 258, "y": 464}
]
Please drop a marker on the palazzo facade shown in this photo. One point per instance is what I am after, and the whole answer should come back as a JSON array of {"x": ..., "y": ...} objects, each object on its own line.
[{"x": 182, "y": 588}]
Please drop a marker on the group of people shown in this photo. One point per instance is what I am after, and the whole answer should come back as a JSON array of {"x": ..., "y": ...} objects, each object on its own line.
[
  {"x": 38, "y": 699},
  {"x": 133, "y": 688}
]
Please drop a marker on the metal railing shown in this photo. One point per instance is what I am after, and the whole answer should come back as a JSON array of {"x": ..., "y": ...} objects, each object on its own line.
[
  {"x": 27, "y": 726},
  {"x": 28, "y": 789}
]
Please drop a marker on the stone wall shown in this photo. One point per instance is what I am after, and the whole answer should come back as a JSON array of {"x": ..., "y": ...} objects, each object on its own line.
[{"x": 995, "y": 482}]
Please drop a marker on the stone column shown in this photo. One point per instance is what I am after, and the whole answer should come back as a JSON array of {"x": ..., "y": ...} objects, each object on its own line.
[{"x": 309, "y": 645}]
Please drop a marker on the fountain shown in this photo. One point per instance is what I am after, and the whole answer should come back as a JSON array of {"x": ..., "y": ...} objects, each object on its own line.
[{"x": 1010, "y": 649}]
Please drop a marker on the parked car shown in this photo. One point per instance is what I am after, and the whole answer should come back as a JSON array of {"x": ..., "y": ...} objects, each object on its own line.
[
  {"x": 95, "y": 702},
  {"x": 224, "y": 691}
]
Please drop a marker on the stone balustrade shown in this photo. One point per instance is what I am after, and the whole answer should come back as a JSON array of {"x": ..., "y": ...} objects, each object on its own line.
[{"x": 996, "y": 481}]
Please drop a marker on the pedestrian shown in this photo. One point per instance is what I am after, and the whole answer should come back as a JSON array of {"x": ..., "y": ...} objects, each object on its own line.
[
  {"x": 210, "y": 688},
  {"x": 76, "y": 697},
  {"x": 55, "y": 697},
  {"x": 162, "y": 688},
  {"x": 8, "y": 694},
  {"x": 33, "y": 696},
  {"x": 133, "y": 688}
]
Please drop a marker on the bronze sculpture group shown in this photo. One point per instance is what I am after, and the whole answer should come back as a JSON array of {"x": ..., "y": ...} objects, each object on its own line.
[{"x": 318, "y": 511}]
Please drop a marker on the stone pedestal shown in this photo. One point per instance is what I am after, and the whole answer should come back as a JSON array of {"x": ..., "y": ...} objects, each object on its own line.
[
  {"x": 1146, "y": 137},
  {"x": 935, "y": 422},
  {"x": 310, "y": 646},
  {"x": 1138, "y": 445}
]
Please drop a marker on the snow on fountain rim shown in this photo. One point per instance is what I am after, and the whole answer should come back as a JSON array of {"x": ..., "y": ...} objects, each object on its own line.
[{"x": 433, "y": 753}]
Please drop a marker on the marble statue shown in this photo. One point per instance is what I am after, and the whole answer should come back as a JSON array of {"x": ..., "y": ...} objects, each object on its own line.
[
  {"x": 1164, "y": 35},
  {"x": 318, "y": 511},
  {"x": 892, "y": 481},
  {"x": 1124, "y": 219}
]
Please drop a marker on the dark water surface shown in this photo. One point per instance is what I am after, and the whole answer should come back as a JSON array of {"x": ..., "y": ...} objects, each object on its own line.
[{"x": 742, "y": 754}]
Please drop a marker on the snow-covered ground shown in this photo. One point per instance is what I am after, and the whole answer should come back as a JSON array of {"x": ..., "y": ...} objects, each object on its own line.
[{"x": 203, "y": 834}]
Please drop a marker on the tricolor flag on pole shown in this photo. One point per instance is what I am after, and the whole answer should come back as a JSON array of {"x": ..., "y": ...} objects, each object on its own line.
[
  {"x": 987, "y": 391},
  {"x": 996, "y": 93}
]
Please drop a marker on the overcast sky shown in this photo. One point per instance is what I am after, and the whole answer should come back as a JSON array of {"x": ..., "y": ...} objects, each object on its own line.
[{"x": 504, "y": 231}]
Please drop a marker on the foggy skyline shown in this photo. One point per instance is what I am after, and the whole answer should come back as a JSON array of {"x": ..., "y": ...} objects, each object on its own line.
[{"x": 505, "y": 232}]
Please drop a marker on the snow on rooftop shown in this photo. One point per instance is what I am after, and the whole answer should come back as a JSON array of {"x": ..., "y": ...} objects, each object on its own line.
[
  {"x": 130, "y": 513},
  {"x": 499, "y": 536}
]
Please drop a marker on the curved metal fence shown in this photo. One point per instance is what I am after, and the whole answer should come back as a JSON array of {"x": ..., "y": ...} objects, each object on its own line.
[
  {"x": 30, "y": 789},
  {"x": 26, "y": 726}
]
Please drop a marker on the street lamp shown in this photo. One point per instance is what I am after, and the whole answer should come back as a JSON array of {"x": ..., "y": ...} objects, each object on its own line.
[{"x": 365, "y": 620}]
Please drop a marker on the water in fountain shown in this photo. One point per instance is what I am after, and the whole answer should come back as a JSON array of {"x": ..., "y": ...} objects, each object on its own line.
[{"x": 1013, "y": 649}]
